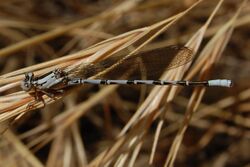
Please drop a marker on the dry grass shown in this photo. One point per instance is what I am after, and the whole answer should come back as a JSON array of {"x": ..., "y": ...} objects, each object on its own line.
[{"x": 161, "y": 127}]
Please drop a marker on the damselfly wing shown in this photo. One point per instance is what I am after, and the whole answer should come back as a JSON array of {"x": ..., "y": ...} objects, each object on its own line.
[{"x": 146, "y": 65}]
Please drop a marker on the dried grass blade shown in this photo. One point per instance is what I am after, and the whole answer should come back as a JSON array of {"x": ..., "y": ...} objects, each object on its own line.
[{"x": 214, "y": 53}]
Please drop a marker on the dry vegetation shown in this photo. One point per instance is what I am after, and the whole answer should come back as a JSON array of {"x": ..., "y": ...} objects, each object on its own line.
[{"x": 125, "y": 125}]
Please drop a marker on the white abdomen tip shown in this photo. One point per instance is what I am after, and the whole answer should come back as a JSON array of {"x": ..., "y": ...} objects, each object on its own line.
[{"x": 220, "y": 82}]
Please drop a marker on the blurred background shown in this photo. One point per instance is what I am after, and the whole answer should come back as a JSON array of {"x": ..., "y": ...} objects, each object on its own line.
[{"x": 218, "y": 138}]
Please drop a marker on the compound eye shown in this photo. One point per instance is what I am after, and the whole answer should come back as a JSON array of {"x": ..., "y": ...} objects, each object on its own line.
[
  {"x": 25, "y": 86},
  {"x": 26, "y": 83},
  {"x": 26, "y": 77},
  {"x": 29, "y": 76}
]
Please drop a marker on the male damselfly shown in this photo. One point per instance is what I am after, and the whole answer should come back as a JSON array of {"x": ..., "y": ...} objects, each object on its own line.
[{"x": 150, "y": 65}]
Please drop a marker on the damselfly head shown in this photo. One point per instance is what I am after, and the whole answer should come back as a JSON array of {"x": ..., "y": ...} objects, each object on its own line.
[{"x": 26, "y": 84}]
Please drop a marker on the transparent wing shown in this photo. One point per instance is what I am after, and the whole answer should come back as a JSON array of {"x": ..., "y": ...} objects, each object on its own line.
[{"x": 145, "y": 65}]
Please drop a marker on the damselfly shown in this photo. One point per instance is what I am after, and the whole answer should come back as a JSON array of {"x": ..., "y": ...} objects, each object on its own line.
[{"x": 150, "y": 65}]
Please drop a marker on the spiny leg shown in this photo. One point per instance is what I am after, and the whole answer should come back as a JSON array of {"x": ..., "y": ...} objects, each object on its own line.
[
  {"x": 38, "y": 98},
  {"x": 52, "y": 93},
  {"x": 38, "y": 95}
]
